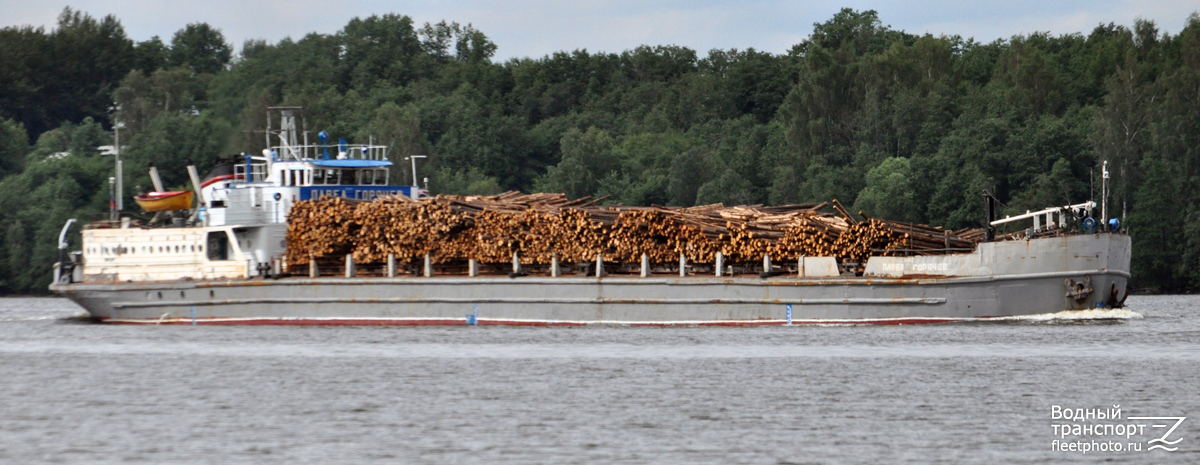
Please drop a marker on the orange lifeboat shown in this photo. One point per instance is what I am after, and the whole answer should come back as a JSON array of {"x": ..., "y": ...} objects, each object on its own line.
[{"x": 165, "y": 201}]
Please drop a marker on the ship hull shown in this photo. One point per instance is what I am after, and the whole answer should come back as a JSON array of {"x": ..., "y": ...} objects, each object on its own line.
[{"x": 1022, "y": 278}]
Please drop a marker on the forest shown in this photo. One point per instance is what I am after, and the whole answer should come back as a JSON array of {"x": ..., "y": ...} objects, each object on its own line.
[{"x": 895, "y": 125}]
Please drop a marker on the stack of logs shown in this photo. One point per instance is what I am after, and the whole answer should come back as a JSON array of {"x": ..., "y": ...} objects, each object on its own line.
[{"x": 539, "y": 227}]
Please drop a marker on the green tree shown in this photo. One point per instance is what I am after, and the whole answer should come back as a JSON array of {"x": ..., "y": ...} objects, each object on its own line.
[
  {"x": 14, "y": 144},
  {"x": 381, "y": 48},
  {"x": 889, "y": 191},
  {"x": 730, "y": 189},
  {"x": 65, "y": 75},
  {"x": 465, "y": 182},
  {"x": 200, "y": 48},
  {"x": 399, "y": 128},
  {"x": 150, "y": 55},
  {"x": 17, "y": 242},
  {"x": 142, "y": 99},
  {"x": 587, "y": 157}
]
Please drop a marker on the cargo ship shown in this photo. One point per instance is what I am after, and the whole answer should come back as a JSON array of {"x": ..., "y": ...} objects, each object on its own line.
[{"x": 222, "y": 262}]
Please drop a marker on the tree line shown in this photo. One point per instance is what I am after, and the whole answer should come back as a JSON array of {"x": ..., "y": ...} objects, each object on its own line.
[{"x": 898, "y": 125}]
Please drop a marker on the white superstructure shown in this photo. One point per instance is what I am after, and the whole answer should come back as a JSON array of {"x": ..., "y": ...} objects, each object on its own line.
[{"x": 239, "y": 224}]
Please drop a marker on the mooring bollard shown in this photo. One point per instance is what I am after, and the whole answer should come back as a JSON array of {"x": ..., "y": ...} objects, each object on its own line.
[
  {"x": 473, "y": 267},
  {"x": 645, "y": 265},
  {"x": 349, "y": 265},
  {"x": 391, "y": 266},
  {"x": 516, "y": 263},
  {"x": 599, "y": 265},
  {"x": 312, "y": 268},
  {"x": 720, "y": 264},
  {"x": 682, "y": 265},
  {"x": 554, "y": 266},
  {"x": 428, "y": 266},
  {"x": 800, "y": 267},
  {"x": 766, "y": 263}
]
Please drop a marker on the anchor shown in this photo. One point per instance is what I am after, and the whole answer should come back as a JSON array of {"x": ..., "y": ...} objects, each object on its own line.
[{"x": 1078, "y": 290}]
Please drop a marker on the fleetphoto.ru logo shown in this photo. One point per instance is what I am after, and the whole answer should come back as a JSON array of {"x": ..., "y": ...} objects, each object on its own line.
[{"x": 1086, "y": 430}]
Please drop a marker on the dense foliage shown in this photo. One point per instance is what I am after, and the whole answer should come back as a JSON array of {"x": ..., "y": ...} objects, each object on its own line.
[{"x": 904, "y": 126}]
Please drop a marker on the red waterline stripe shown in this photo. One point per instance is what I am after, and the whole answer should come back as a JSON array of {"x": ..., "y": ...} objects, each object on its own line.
[{"x": 490, "y": 322}]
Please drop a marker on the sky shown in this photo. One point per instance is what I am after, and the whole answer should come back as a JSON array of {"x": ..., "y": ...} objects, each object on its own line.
[{"x": 534, "y": 28}]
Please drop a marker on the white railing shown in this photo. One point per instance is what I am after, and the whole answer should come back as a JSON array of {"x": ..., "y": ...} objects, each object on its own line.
[
  {"x": 316, "y": 152},
  {"x": 258, "y": 172}
]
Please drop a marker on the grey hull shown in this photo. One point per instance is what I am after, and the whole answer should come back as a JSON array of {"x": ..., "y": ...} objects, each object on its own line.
[{"x": 997, "y": 280}]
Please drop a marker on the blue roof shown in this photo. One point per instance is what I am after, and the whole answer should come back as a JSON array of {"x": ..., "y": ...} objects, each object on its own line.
[{"x": 351, "y": 163}]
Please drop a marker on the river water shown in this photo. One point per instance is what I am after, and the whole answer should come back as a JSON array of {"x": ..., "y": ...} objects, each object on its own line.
[{"x": 72, "y": 391}]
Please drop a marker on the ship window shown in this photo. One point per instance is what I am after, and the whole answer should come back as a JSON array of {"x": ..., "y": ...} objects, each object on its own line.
[
  {"x": 218, "y": 245},
  {"x": 366, "y": 177},
  {"x": 381, "y": 177},
  {"x": 318, "y": 177}
]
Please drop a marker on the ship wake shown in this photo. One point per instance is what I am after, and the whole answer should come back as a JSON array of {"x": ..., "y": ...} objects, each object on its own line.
[{"x": 1076, "y": 316}]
